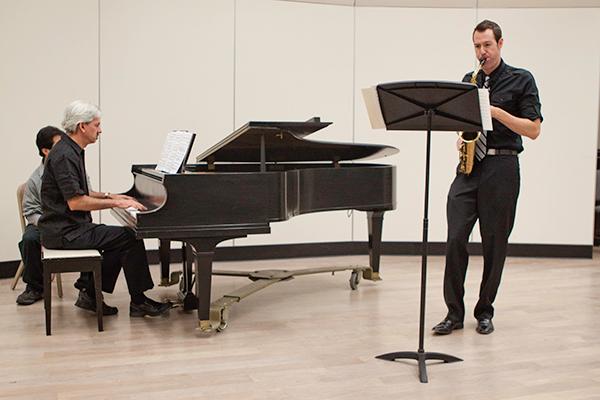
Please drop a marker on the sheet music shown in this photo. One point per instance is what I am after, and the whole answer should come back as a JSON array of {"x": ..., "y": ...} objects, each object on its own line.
[
  {"x": 174, "y": 151},
  {"x": 484, "y": 108},
  {"x": 372, "y": 103}
]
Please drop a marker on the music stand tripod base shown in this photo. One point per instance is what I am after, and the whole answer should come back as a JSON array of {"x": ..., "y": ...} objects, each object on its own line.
[{"x": 420, "y": 357}]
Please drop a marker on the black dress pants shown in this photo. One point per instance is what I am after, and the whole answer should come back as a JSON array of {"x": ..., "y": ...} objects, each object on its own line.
[
  {"x": 489, "y": 194},
  {"x": 119, "y": 248},
  {"x": 31, "y": 254}
]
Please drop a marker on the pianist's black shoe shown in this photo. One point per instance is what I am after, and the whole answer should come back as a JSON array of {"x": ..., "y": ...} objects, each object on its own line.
[
  {"x": 29, "y": 296},
  {"x": 149, "y": 308},
  {"x": 87, "y": 302},
  {"x": 446, "y": 327},
  {"x": 485, "y": 326}
]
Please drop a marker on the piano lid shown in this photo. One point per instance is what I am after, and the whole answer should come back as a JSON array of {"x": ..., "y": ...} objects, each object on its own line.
[{"x": 284, "y": 142}]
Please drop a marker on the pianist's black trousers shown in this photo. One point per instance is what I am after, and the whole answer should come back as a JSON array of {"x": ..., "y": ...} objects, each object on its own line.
[
  {"x": 120, "y": 249},
  {"x": 31, "y": 254},
  {"x": 489, "y": 194}
]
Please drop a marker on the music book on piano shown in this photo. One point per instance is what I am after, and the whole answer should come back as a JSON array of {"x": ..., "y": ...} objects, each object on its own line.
[{"x": 175, "y": 151}]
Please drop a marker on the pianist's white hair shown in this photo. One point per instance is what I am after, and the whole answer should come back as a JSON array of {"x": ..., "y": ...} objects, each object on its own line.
[{"x": 77, "y": 112}]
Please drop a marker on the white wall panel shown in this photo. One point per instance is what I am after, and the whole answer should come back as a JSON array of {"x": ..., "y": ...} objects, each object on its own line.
[
  {"x": 294, "y": 61},
  {"x": 49, "y": 53},
  {"x": 461, "y": 3},
  {"x": 399, "y": 44},
  {"x": 558, "y": 170},
  {"x": 164, "y": 65}
]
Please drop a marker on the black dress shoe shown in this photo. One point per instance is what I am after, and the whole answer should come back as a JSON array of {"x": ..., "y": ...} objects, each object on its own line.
[
  {"x": 446, "y": 327},
  {"x": 29, "y": 296},
  {"x": 485, "y": 326},
  {"x": 87, "y": 302},
  {"x": 149, "y": 308}
]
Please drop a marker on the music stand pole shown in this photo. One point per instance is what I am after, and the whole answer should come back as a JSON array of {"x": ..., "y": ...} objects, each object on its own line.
[
  {"x": 425, "y": 242},
  {"x": 421, "y": 355}
]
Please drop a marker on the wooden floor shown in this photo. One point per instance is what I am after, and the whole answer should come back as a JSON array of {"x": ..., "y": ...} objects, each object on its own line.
[{"x": 313, "y": 338}]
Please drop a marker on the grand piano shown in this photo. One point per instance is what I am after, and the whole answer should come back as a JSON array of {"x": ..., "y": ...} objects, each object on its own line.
[{"x": 263, "y": 172}]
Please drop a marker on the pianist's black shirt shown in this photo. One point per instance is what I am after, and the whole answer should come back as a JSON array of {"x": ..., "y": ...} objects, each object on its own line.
[
  {"x": 64, "y": 178},
  {"x": 513, "y": 90}
]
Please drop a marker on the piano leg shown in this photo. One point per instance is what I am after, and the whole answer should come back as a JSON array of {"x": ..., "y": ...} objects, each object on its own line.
[
  {"x": 204, "y": 253},
  {"x": 375, "y": 219}
]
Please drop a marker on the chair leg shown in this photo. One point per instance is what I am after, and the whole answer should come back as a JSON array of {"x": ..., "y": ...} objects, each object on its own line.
[
  {"x": 59, "y": 285},
  {"x": 99, "y": 296},
  {"x": 17, "y": 275},
  {"x": 47, "y": 297}
]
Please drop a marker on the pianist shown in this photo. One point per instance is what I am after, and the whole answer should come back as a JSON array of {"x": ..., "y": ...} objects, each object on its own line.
[{"x": 66, "y": 222}]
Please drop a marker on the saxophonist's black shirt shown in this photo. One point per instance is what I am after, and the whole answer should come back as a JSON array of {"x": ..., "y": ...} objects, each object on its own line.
[{"x": 513, "y": 90}]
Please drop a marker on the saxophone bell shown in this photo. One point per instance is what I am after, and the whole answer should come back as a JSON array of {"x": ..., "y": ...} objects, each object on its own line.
[{"x": 468, "y": 137}]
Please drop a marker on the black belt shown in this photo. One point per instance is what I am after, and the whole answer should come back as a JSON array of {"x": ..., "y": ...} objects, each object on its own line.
[{"x": 501, "y": 152}]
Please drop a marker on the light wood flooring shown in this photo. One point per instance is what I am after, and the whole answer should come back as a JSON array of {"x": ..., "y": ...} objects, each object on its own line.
[{"x": 314, "y": 338}]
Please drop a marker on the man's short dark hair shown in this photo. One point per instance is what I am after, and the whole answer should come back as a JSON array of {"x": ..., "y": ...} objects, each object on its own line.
[
  {"x": 487, "y": 24},
  {"x": 45, "y": 136}
]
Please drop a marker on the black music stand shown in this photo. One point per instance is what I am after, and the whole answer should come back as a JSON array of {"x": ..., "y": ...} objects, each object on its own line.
[{"x": 427, "y": 105}]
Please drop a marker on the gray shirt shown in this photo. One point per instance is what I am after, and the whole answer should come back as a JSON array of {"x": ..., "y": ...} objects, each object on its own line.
[
  {"x": 32, "y": 196},
  {"x": 32, "y": 199}
]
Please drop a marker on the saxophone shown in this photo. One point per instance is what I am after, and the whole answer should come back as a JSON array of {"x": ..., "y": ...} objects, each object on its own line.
[{"x": 466, "y": 150}]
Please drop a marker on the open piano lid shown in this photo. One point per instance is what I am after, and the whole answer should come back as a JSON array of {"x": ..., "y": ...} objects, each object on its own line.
[{"x": 284, "y": 142}]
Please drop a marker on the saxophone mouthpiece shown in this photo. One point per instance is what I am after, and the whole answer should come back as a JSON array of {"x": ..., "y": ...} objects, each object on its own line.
[{"x": 482, "y": 61}]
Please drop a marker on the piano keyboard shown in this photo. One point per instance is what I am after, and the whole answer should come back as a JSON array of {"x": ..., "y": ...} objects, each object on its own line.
[{"x": 132, "y": 211}]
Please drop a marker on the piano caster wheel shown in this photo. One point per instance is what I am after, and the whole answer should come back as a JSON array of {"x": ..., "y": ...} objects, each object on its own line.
[
  {"x": 224, "y": 317},
  {"x": 222, "y": 326},
  {"x": 354, "y": 279}
]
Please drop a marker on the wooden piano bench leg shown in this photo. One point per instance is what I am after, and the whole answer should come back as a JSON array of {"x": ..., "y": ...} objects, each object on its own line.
[
  {"x": 98, "y": 289},
  {"x": 58, "y": 261},
  {"x": 47, "y": 295}
]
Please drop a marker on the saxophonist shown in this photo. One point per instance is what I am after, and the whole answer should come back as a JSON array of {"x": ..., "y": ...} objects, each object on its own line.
[{"x": 489, "y": 193}]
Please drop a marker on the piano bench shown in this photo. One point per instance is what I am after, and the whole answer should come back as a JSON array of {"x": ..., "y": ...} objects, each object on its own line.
[{"x": 59, "y": 261}]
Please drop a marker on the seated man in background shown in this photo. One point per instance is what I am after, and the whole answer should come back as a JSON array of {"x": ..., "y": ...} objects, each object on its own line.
[
  {"x": 30, "y": 246},
  {"x": 66, "y": 222}
]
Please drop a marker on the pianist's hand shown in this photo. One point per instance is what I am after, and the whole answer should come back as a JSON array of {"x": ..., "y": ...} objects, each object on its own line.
[
  {"x": 130, "y": 203},
  {"x": 121, "y": 197}
]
